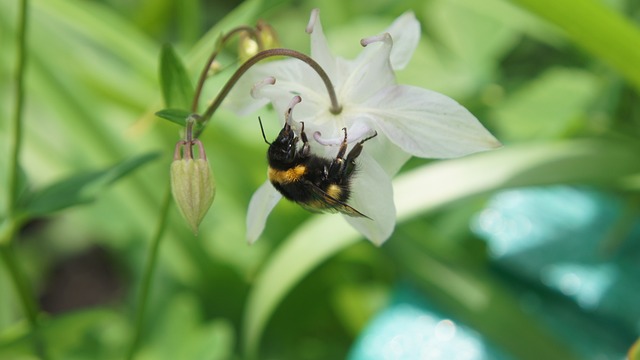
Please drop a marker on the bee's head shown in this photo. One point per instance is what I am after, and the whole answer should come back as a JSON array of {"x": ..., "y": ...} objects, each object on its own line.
[{"x": 283, "y": 148}]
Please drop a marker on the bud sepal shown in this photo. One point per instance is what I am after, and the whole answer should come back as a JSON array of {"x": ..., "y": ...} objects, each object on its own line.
[{"x": 192, "y": 183}]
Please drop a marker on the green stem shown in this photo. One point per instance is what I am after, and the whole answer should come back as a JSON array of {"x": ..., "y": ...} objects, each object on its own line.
[
  {"x": 24, "y": 293},
  {"x": 16, "y": 136},
  {"x": 13, "y": 222},
  {"x": 219, "y": 44},
  {"x": 149, "y": 269}
]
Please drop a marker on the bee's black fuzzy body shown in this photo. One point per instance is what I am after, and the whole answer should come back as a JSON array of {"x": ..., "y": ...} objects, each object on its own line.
[{"x": 316, "y": 183}]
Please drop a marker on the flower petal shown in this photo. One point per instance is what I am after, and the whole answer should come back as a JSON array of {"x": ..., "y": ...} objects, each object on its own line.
[
  {"x": 428, "y": 124},
  {"x": 373, "y": 196},
  {"x": 292, "y": 77},
  {"x": 261, "y": 204},
  {"x": 405, "y": 32},
  {"x": 320, "y": 51},
  {"x": 370, "y": 72},
  {"x": 388, "y": 155}
]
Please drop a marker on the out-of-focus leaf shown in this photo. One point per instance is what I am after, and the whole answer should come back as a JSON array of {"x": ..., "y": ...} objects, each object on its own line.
[
  {"x": 597, "y": 28},
  {"x": 177, "y": 89},
  {"x": 89, "y": 334},
  {"x": 429, "y": 188},
  {"x": 182, "y": 334},
  {"x": 177, "y": 116},
  {"x": 634, "y": 352},
  {"x": 547, "y": 107},
  {"x": 80, "y": 188},
  {"x": 311, "y": 244}
]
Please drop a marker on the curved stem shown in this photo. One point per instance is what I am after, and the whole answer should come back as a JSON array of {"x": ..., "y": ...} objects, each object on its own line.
[
  {"x": 149, "y": 269},
  {"x": 205, "y": 70},
  {"x": 335, "y": 106}
]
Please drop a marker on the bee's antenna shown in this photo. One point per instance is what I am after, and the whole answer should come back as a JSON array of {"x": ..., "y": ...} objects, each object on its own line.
[{"x": 262, "y": 130}]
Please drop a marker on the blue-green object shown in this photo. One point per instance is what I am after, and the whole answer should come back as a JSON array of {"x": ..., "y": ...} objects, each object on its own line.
[
  {"x": 410, "y": 328},
  {"x": 581, "y": 244},
  {"x": 571, "y": 254}
]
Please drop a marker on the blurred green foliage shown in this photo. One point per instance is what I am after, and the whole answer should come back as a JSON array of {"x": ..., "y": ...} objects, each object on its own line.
[{"x": 557, "y": 87}]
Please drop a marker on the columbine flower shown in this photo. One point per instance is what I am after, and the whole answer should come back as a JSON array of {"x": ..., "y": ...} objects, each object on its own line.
[{"x": 409, "y": 120}]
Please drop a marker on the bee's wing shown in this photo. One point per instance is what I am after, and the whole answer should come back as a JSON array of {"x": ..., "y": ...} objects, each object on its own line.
[{"x": 326, "y": 203}]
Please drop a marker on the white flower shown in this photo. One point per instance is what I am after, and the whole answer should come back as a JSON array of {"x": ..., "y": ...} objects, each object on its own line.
[{"x": 409, "y": 120}]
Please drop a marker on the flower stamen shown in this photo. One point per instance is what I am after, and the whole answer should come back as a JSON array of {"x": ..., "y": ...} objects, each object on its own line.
[
  {"x": 312, "y": 20},
  {"x": 288, "y": 116},
  {"x": 385, "y": 37},
  {"x": 270, "y": 80}
]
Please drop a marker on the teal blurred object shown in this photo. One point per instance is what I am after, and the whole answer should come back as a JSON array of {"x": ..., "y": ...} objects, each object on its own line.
[
  {"x": 410, "y": 328},
  {"x": 580, "y": 246},
  {"x": 570, "y": 254}
]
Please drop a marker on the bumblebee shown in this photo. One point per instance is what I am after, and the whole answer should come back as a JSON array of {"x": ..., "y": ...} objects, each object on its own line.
[{"x": 316, "y": 183}]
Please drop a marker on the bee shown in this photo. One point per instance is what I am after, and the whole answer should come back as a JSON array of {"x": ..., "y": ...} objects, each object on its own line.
[{"x": 316, "y": 183}]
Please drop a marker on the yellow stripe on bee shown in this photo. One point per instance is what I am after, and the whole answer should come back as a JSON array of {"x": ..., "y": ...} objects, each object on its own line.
[
  {"x": 334, "y": 191},
  {"x": 287, "y": 176}
]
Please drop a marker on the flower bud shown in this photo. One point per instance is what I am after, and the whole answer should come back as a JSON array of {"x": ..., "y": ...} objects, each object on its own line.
[
  {"x": 248, "y": 46},
  {"x": 192, "y": 184},
  {"x": 268, "y": 35}
]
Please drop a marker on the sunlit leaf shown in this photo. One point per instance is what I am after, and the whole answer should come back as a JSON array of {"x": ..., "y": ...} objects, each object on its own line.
[
  {"x": 597, "y": 28},
  {"x": 177, "y": 89},
  {"x": 79, "y": 188}
]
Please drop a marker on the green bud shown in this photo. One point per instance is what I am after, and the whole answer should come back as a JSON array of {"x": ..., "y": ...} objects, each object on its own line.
[
  {"x": 248, "y": 47},
  {"x": 192, "y": 185}
]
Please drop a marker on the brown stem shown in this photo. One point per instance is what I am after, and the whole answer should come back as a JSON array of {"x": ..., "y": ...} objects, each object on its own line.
[
  {"x": 335, "y": 106},
  {"x": 203, "y": 75}
]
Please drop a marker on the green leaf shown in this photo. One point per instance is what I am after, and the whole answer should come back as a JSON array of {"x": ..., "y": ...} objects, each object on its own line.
[
  {"x": 430, "y": 188},
  {"x": 177, "y": 116},
  {"x": 85, "y": 334},
  {"x": 311, "y": 244},
  {"x": 634, "y": 352},
  {"x": 597, "y": 28},
  {"x": 80, "y": 188},
  {"x": 177, "y": 89},
  {"x": 182, "y": 333},
  {"x": 547, "y": 107}
]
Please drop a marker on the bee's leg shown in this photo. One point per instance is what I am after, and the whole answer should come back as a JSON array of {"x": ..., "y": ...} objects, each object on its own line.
[
  {"x": 343, "y": 147},
  {"x": 305, "y": 142},
  {"x": 354, "y": 153},
  {"x": 336, "y": 170}
]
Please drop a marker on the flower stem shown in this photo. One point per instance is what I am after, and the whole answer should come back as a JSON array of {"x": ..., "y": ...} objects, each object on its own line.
[
  {"x": 335, "y": 106},
  {"x": 25, "y": 295},
  {"x": 13, "y": 222},
  {"x": 152, "y": 257},
  {"x": 205, "y": 70},
  {"x": 16, "y": 136}
]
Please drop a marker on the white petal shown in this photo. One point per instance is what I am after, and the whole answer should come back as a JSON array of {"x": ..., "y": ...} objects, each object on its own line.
[
  {"x": 320, "y": 51},
  {"x": 371, "y": 71},
  {"x": 428, "y": 124},
  {"x": 260, "y": 206},
  {"x": 373, "y": 196},
  {"x": 388, "y": 155},
  {"x": 405, "y": 32},
  {"x": 292, "y": 77}
]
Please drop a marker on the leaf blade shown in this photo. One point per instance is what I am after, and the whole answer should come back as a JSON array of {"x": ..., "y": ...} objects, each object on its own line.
[
  {"x": 177, "y": 89},
  {"x": 80, "y": 188}
]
